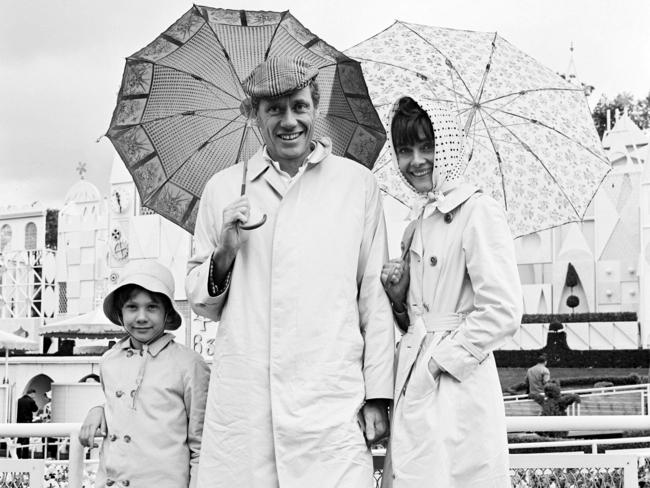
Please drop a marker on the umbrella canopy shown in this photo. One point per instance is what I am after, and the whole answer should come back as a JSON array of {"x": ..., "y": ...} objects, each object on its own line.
[
  {"x": 182, "y": 115},
  {"x": 529, "y": 137},
  {"x": 91, "y": 325},
  {"x": 12, "y": 342}
]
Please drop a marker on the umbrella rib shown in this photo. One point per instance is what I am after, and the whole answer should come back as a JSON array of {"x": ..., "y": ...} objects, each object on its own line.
[
  {"x": 525, "y": 92},
  {"x": 180, "y": 166},
  {"x": 419, "y": 75},
  {"x": 532, "y": 153},
  {"x": 223, "y": 48},
  {"x": 275, "y": 31},
  {"x": 542, "y": 124},
  {"x": 487, "y": 70},
  {"x": 447, "y": 60},
  {"x": 496, "y": 151}
]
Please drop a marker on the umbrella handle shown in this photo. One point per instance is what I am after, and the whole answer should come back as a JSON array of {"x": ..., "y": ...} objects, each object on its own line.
[{"x": 253, "y": 226}]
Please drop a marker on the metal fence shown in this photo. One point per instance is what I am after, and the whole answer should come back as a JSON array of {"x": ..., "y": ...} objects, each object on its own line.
[{"x": 527, "y": 470}]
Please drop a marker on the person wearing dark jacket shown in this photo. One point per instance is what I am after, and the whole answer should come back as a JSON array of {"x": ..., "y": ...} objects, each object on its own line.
[{"x": 25, "y": 415}]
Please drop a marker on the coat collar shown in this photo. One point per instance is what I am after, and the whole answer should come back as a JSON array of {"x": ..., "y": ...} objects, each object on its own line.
[
  {"x": 154, "y": 348},
  {"x": 259, "y": 164}
]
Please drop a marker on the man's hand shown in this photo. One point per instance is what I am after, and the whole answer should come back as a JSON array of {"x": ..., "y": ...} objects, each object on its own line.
[
  {"x": 375, "y": 418},
  {"x": 234, "y": 214},
  {"x": 395, "y": 278},
  {"x": 93, "y": 426}
]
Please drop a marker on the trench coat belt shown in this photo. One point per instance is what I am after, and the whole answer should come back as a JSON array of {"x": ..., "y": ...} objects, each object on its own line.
[{"x": 439, "y": 322}]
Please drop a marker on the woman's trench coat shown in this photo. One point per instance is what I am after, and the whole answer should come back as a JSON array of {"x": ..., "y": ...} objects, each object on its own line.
[
  {"x": 306, "y": 331},
  {"x": 464, "y": 299}
]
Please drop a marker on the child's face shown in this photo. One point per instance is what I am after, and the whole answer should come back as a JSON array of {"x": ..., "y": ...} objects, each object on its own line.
[
  {"x": 415, "y": 161},
  {"x": 144, "y": 317}
]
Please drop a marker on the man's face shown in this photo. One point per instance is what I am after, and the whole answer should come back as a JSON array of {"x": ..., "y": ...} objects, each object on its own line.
[{"x": 287, "y": 125}]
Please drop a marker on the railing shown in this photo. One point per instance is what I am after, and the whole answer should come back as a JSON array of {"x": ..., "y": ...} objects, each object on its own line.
[
  {"x": 614, "y": 400},
  {"x": 526, "y": 469}
]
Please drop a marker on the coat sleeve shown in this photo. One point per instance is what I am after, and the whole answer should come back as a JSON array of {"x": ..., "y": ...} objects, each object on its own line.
[
  {"x": 375, "y": 313},
  {"x": 206, "y": 241},
  {"x": 492, "y": 270},
  {"x": 196, "y": 381}
]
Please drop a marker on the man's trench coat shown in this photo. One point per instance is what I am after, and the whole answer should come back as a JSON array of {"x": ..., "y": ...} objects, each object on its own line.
[{"x": 306, "y": 331}]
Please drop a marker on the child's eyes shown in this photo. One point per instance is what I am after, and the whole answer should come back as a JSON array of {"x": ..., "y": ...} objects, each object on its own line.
[{"x": 403, "y": 150}]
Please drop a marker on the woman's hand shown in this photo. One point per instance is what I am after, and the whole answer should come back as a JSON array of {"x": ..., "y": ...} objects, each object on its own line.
[
  {"x": 93, "y": 426},
  {"x": 395, "y": 278}
]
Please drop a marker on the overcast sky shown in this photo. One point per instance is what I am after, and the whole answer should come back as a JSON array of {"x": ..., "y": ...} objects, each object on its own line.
[{"x": 61, "y": 63}]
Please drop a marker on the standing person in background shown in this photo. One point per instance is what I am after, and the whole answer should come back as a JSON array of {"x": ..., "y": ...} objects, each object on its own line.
[
  {"x": 457, "y": 296},
  {"x": 537, "y": 376},
  {"x": 303, "y": 360},
  {"x": 25, "y": 415}
]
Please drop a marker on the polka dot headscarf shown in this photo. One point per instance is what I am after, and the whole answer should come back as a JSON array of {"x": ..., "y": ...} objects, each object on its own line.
[{"x": 449, "y": 158}]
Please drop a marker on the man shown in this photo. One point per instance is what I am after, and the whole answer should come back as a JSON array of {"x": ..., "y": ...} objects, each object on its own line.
[
  {"x": 25, "y": 415},
  {"x": 303, "y": 361},
  {"x": 537, "y": 376}
]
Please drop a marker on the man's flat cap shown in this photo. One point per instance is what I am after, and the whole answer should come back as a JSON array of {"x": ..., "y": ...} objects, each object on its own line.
[{"x": 279, "y": 76}]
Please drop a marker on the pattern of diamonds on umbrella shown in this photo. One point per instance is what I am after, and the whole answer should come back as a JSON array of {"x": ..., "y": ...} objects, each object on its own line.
[
  {"x": 180, "y": 115},
  {"x": 530, "y": 139}
]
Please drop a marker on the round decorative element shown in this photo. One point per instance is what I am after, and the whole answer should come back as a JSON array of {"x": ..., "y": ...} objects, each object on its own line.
[
  {"x": 116, "y": 234},
  {"x": 120, "y": 249},
  {"x": 113, "y": 277}
]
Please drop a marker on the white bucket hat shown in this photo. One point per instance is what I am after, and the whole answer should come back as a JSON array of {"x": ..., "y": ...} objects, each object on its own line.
[{"x": 150, "y": 275}]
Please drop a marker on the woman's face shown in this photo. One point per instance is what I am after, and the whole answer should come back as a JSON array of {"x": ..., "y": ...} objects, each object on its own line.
[{"x": 415, "y": 161}]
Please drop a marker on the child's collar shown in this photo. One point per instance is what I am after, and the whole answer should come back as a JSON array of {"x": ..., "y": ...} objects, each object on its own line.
[{"x": 154, "y": 348}]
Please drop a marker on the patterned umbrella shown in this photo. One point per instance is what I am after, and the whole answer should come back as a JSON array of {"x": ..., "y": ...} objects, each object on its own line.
[
  {"x": 181, "y": 111},
  {"x": 530, "y": 139}
]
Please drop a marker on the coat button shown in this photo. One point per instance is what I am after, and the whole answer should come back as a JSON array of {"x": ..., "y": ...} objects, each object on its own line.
[
  {"x": 129, "y": 353},
  {"x": 433, "y": 260},
  {"x": 127, "y": 438},
  {"x": 113, "y": 437},
  {"x": 110, "y": 482},
  {"x": 125, "y": 483},
  {"x": 119, "y": 393},
  {"x": 449, "y": 217}
]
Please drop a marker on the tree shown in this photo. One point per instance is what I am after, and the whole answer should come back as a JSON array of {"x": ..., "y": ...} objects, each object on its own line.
[{"x": 639, "y": 111}]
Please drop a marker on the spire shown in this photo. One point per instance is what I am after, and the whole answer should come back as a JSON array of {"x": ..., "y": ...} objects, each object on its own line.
[
  {"x": 571, "y": 74},
  {"x": 81, "y": 169}
]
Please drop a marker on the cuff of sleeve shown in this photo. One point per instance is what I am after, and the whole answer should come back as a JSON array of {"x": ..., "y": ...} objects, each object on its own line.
[{"x": 214, "y": 290}]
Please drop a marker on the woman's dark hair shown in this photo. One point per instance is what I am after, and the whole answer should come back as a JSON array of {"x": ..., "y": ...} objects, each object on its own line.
[
  {"x": 123, "y": 294},
  {"x": 409, "y": 119}
]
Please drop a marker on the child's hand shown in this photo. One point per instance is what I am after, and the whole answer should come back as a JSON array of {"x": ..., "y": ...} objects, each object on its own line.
[
  {"x": 93, "y": 426},
  {"x": 395, "y": 278}
]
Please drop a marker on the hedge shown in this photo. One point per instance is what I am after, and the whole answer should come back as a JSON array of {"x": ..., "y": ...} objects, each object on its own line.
[{"x": 579, "y": 317}]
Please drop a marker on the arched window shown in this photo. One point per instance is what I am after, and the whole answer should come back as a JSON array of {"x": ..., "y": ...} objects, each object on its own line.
[
  {"x": 30, "y": 236},
  {"x": 5, "y": 238}
]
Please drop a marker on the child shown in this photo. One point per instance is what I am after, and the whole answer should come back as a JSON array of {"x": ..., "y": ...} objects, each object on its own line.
[
  {"x": 456, "y": 294},
  {"x": 155, "y": 389}
]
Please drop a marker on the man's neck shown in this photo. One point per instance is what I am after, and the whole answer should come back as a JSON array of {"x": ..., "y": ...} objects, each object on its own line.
[{"x": 291, "y": 167}]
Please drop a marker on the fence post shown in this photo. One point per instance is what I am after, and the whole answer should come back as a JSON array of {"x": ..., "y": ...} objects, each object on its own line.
[{"x": 76, "y": 460}]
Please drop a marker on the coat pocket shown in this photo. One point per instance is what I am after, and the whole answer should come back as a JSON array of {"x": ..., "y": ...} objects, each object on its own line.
[{"x": 421, "y": 382}]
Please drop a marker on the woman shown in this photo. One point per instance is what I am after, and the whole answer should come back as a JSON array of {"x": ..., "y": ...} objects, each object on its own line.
[{"x": 456, "y": 294}]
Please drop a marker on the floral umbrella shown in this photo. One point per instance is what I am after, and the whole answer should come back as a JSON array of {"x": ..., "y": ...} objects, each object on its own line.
[
  {"x": 530, "y": 139},
  {"x": 182, "y": 115}
]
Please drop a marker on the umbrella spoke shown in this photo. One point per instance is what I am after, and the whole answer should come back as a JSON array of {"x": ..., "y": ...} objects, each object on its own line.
[
  {"x": 499, "y": 162},
  {"x": 525, "y": 92},
  {"x": 530, "y": 151},
  {"x": 448, "y": 62},
  {"x": 557, "y": 131}
]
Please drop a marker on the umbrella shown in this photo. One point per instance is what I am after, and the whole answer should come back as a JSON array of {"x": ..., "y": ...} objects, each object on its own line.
[
  {"x": 182, "y": 115},
  {"x": 91, "y": 325},
  {"x": 529, "y": 137},
  {"x": 9, "y": 341}
]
